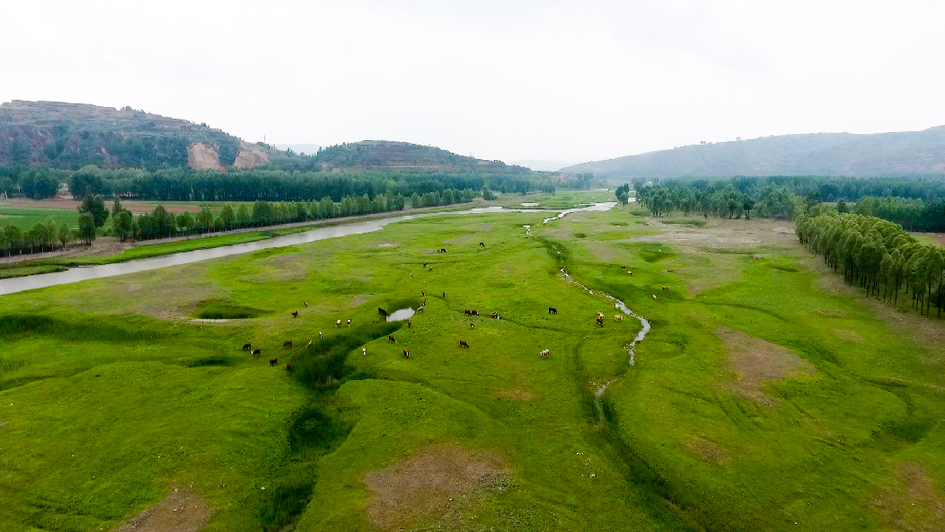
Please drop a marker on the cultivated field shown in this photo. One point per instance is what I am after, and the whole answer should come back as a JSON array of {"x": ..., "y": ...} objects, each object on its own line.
[{"x": 767, "y": 395}]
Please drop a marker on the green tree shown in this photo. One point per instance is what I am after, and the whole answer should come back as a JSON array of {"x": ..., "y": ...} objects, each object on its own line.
[
  {"x": 623, "y": 193},
  {"x": 87, "y": 227},
  {"x": 95, "y": 206},
  {"x": 64, "y": 234},
  {"x": 123, "y": 225},
  {"x": 842, "y": 207}
]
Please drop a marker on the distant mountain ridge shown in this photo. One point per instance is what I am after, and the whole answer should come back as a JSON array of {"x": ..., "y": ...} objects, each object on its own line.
[
  {"x": 901, "y": 153},
  {"x": 73, "y": 135},
  {"x": 393, "y": 155}
]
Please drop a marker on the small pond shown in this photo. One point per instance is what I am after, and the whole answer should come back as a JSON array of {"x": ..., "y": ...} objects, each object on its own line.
[{"x": 401, "y": 314}]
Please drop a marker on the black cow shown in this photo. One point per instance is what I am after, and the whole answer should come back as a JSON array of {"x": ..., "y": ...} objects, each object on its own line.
[{"x": 552, "y": 310}]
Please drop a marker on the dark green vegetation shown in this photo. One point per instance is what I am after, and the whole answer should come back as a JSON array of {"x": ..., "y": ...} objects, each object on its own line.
[
  {"x": 878, "y": 256},
  {"x": 905, "y": 153},
  {"x": 916, "y": 203},
  {"x": 747, "y": 408}
]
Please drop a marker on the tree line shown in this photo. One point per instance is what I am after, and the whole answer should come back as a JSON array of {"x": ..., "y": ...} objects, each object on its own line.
[
  {"x": 119, "y": 222},
  {"x": 183, "y": 184},
  {"x": 878, "y": 256},
  {"x": 916, "y": 203}
]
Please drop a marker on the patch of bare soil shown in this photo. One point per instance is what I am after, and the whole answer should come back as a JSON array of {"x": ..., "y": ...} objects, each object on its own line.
[
  {"x": 707, "y": 450},
  {"x": 915, "y": 506},
  {"x": 250, "y": 156},
  {"x": 757, "y": 361},
  {"x": 485, "y": 227},
  {"x": 202, "y": 156},
  {"x": 460, "y": 239},
  {"x": 437, "y": 483},
  {"x": 357, "y": 301},
  {"x": 180, "y": 511},
  {"x": 514, "y": 394}
]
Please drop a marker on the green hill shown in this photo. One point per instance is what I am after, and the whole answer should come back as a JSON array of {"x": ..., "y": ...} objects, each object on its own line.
[
  {"x": 72, "y": 135},
  {"x": 904, "y": 153},
  {"x": 383, "y": 154}
]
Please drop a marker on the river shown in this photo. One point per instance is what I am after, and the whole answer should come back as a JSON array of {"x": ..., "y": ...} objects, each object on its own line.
[{"x": 84, "y": 273}]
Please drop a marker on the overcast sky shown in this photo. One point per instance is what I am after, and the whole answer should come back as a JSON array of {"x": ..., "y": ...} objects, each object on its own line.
[{"x": 511, "y": 80}]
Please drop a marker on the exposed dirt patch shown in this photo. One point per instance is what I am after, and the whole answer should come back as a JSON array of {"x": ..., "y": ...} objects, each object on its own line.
[
  {"x": 250, "y": 156},
  {"x": 460, "y": 239},
  {"x": 849, "y": 335},
  {"x": 514, "y": 394},
  {"x": 915, "y": 505},
  {"x": 357, "y": 301},
  {"x": 202, "y": 156},
  {"x": 180, "y": 511},
  {"x": 485, "y": 227},
  {"x": 437, "y": 483},
  {"x": 757, "y": 361},
  {"x": 707, "y": 450}
]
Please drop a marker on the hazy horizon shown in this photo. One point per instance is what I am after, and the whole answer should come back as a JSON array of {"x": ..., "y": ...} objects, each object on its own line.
[{"x": 520, "y": 81}]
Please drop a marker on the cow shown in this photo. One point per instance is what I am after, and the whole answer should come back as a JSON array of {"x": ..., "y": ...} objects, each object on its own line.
[
  {"x": 320, "y": 335},
  {"x": 468, "y": 312},
  {"x": 349, "y": 323},
  {"x": 630, "y": 273},
  {"x": 406, "y": 354},
  {"x": 552, "y": 310},
  {"x": 381, "y": 311},
  {"x": 544, "y": 353},
  {"x": 256, "y": 352},
  {"x": 442, "y": 250},
  {"x": 287, "y": 343},
  {"x": 431, "y": 268},
  {"x": 424, "y": 302},
  {"x": 247, "y": 346},
  {"x": 309, "y": 344},
  {"x": 409, "y": 324},
  {"x": 472, "y": 325},
  {"x": 600, "y": 321},
  {"x": 364, "y": 351},
  {"x": 273, "y": 362},
  {"x": 463, "y": 343},
  {"x": 475, "y": 312},
  {"x": 424, "y": 265},
  {"x": 600, "y": 314},
  {"x": 288, "y": 367},
  {"x": 666, "y": 289},
  {"x": 338, "y": 323},
  {"x": 482, "y": 245},
  {"x": 423, "y": 294},
  {"x": 618, "y": 317},
  {"x": 494, "y": 315},
  {"x": 391, "y": 339},
  {"x": 444, "y": 295},
  {"x": 305, "y": 303},
  {"x": 419, "y": 310},
  {"x": 654, "y": 297},
  {"x": 295, "y": 314}
]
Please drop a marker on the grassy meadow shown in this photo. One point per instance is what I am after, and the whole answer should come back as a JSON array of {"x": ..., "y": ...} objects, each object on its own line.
[{"x": 767, "y": 396}]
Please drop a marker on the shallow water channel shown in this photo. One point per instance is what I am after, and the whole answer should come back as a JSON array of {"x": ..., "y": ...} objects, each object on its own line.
[{"x": 74, "y": 275}]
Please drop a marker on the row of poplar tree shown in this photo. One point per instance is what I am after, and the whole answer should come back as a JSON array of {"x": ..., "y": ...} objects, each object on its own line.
[
  {"x": 878, "y": 256},
  {"x": 45, "y": 236}
]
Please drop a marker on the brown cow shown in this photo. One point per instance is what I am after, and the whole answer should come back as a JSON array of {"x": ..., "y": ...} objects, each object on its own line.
[
  {"x": 295, "y": 314},
  {"x": 247, "y": 346},
  {"x": 409, "y": 324},
  {"x": 287, "y": 343},
  {"x": 666, "y": 289},
  {"x": 600, "y": 321},
  {"x": 544, "y": 353},
  {"x": 431, "y": 268},
  {"x": 406, "y": 354},
  {"x": 391, "y": 339},
  {"x": 288, "y": 367},
  {"x": 273, "y": 362},
  {"x": 468, "y": 312},
  {"x": 256, "y": 352},
  {"x": 424, "y": 302},
  {"x": 419, "y": 310},
  {"x": 463, "y": 343},
  {"x": 618, "y": 317}
]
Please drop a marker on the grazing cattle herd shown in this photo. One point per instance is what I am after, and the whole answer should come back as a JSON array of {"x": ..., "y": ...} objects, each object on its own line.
[{"x": 544, "y": 353}]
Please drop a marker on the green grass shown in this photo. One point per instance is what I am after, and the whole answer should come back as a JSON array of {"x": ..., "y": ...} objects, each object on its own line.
[
  {"x": 25, "y": 217},
  {"x": 110, "y": 396}
]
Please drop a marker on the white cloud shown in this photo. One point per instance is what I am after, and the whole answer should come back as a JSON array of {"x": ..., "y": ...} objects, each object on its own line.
[{"x": 554, "y": 80}]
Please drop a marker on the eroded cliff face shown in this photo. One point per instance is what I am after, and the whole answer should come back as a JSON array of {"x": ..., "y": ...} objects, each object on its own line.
[
  {"x": 250, "y": 156},
  {"x": 203, "y": 156}
]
